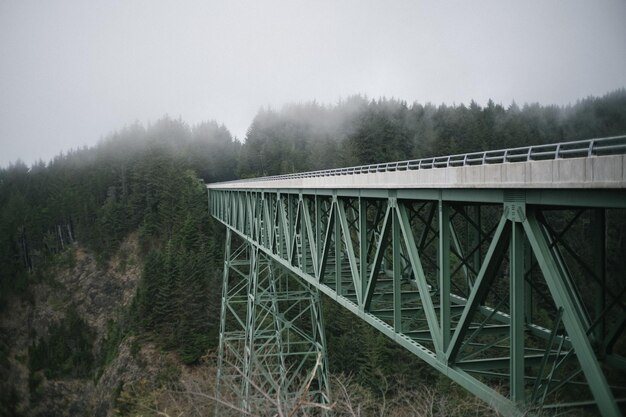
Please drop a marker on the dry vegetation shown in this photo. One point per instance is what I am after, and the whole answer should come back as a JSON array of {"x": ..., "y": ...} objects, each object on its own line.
[{"x": 193, "y": 395}]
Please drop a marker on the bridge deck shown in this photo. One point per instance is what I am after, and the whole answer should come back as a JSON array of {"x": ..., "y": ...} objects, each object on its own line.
[{"x": 596, "y": 163}]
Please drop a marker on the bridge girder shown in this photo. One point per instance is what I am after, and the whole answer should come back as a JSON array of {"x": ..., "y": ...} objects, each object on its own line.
[{"x": 494, "y": 288}]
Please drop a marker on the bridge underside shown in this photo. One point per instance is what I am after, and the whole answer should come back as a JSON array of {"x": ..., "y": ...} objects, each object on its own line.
[{"x": 517, "y": 295}]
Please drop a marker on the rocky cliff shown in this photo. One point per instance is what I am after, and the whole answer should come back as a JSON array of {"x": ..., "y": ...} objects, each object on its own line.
[{"x": 99, "y": 295}]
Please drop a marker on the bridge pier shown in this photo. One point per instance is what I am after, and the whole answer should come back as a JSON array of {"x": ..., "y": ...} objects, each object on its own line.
[{"x": 272, "y": 351}]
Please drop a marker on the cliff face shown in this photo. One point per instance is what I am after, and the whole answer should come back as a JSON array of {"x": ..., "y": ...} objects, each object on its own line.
[{"x": 98, "y": 296}]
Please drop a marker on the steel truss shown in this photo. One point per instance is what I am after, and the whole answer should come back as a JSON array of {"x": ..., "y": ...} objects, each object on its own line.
[
  {"x": 513, "y": 294},
  {"x": 272, "y": 352}
]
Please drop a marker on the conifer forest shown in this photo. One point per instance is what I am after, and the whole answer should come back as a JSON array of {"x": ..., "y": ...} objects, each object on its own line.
[{"x": 111, "y": 267}]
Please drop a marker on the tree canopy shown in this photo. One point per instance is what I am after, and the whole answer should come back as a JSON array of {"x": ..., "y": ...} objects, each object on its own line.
[{"x": 148, "y": 179}]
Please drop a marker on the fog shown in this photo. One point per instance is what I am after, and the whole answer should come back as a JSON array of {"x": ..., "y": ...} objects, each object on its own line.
[{"x": 73, "y": 71}]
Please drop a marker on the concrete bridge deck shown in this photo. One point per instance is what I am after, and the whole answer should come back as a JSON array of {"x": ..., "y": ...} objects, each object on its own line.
[{"x": 596, "y": 163}]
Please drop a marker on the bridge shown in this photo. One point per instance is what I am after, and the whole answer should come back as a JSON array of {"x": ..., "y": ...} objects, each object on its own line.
[{"x": 504, "y": 270}]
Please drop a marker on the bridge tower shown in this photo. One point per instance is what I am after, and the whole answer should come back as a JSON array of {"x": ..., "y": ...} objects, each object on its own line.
[{"x": 272, "y": 351}]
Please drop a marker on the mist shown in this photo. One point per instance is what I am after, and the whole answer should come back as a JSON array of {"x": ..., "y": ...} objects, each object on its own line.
[{"x": 71, "y": 72}]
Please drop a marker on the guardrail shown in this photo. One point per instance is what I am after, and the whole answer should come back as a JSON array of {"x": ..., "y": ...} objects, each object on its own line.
[{"x": 583, "y": 148}]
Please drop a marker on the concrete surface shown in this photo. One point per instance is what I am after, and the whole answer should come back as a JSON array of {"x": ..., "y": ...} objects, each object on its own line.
[{"x": 591, "y": 172}]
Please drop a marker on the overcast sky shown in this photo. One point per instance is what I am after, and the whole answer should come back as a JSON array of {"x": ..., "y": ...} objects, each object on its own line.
[{"x": 73, "y": 71}]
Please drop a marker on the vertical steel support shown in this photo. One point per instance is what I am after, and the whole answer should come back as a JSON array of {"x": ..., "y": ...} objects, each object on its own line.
[
  {"x": 272, "y": 350},
  {"x": 476, "y": 235},
  {"x": 232, "y": 338},
  {"x": 528, "y": 294},
  {"x": 598, "y": 228},
  {"x": 221, "y": 347},
  {"x": 319, "y": 235},
  {"x": 248, "y": 354},
  {"x": 362, "y": 249},
  {"x": 516, "y": 293},
  {"x": 338, "y": 254},
  {"x": 444, "y": 275},
  {"x": 304, "y": 223},
  {"x": 397, "y": 271}
]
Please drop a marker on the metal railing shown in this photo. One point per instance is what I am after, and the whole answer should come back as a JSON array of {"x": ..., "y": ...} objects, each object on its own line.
[{"x": 577, "y": 149}]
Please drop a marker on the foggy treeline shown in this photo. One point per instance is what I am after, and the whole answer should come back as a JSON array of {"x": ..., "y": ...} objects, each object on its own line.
[
  {"x": 146, "y": 180},
  {"x": 360, "y": 131}
]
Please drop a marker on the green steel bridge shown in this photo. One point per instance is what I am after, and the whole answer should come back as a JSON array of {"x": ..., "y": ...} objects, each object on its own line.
[{"x": 504, "y": 270}]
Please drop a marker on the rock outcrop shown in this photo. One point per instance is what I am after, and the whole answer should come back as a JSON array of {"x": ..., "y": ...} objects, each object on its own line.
[{"x": 99, "y": 295}]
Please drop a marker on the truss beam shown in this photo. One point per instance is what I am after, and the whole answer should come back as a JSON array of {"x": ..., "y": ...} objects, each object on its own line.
[{"x": 487, "y": 286}]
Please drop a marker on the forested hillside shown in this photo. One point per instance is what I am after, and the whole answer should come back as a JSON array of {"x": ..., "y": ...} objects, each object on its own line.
[{"x": 145, "y": 184}]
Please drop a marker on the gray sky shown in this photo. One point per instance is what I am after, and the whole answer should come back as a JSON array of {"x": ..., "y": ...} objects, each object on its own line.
[{"x": 73, "y": 71}]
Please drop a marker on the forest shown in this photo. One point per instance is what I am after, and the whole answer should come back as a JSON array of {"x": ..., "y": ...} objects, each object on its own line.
[{"x": 148, "y": 181}]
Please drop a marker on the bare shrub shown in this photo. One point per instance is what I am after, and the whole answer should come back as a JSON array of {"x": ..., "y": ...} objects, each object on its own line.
[{"x": 353, "y": 400}]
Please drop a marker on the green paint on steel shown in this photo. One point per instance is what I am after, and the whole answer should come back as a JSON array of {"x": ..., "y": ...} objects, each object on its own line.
[
  {"x": 517, "y": 307},
  {"x": 457, "y": 291},
  {"x": 444, "y": 276},
  {"x": 571, "y": 318}
]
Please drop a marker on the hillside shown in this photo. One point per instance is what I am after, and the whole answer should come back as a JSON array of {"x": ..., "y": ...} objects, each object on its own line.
[
  {"x": 75, "y": 303},
  {"x": 110, "y": 266}
]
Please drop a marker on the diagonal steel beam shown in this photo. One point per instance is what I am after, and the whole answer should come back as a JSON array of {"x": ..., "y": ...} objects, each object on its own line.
[
  {"x": 347, "y": 239},
  {"x": 552, "y": 272},
  {"x": 420, "y": 277},
  {"x": 378, "y": 258},
  {"x": 490, "y": 265}
]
